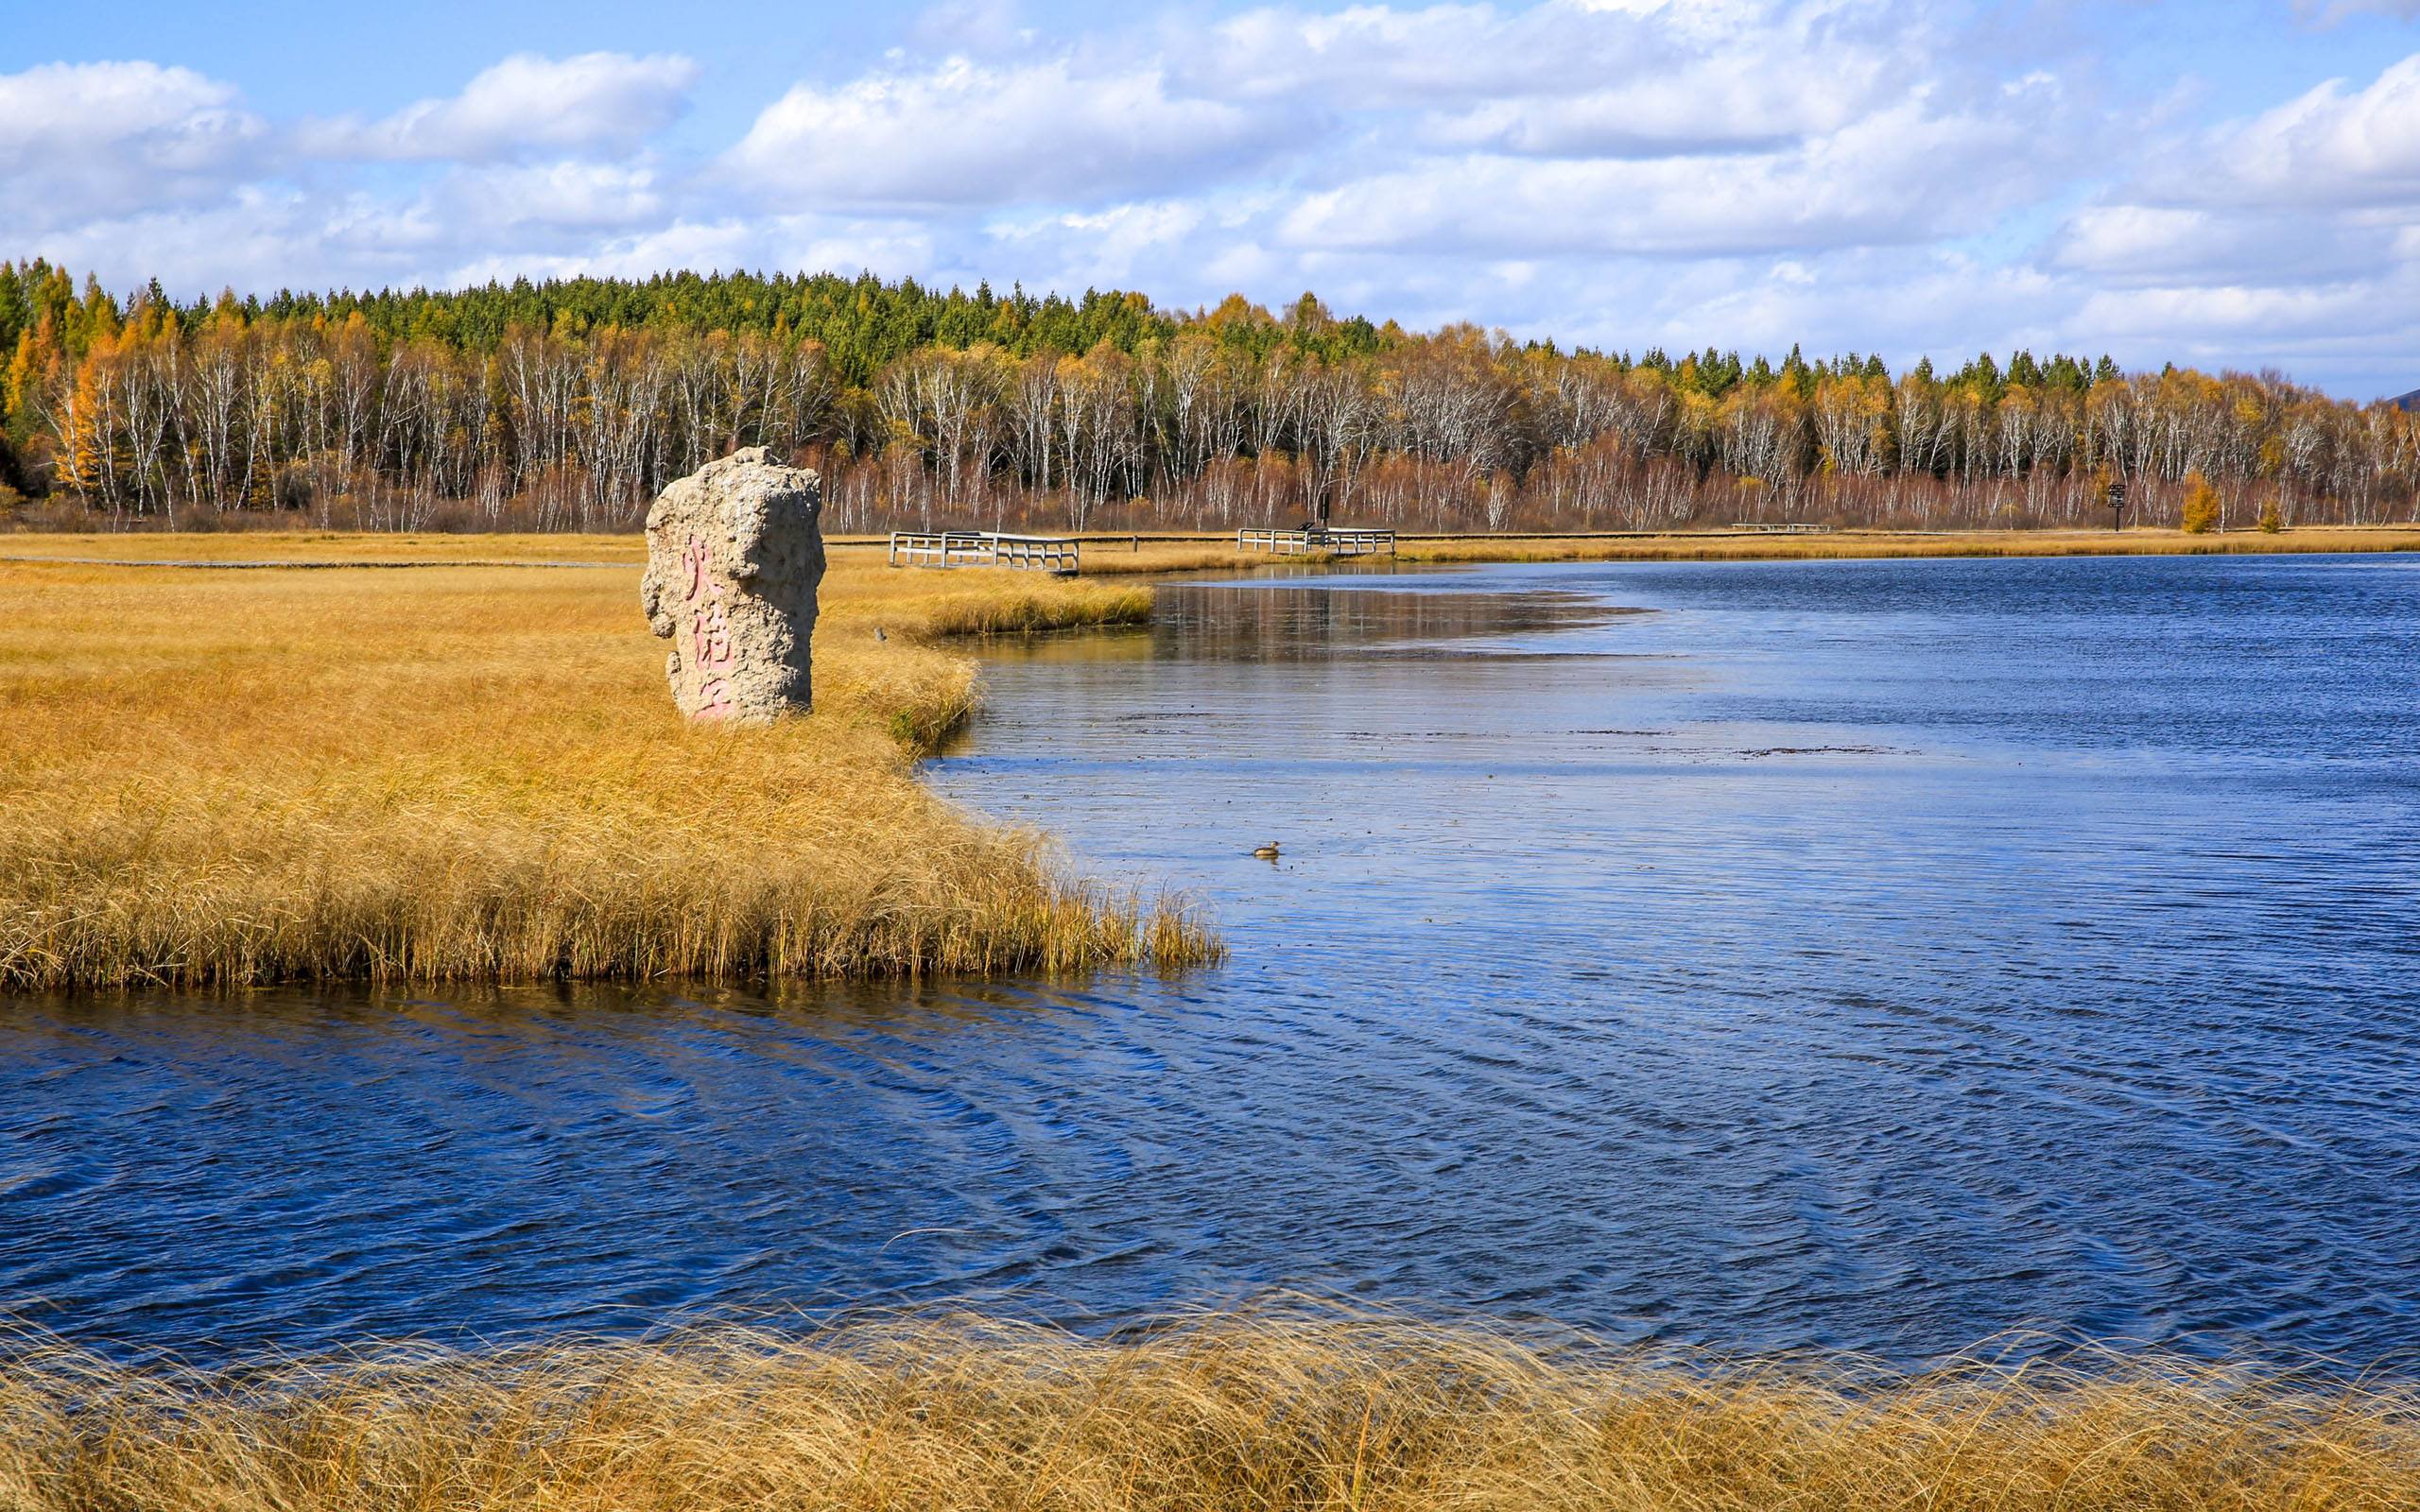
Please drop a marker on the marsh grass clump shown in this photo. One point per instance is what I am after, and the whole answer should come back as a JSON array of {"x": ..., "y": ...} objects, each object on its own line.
[
  {"x": 1270, "y": 1409},
  {"x": 237, "y": 776}
]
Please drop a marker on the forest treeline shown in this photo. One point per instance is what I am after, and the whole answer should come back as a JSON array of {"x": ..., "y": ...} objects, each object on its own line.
[{"x": 568, "y": 405}]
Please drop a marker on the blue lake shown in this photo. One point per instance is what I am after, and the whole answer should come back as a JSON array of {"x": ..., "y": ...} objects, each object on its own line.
[{"x": 1867, "y": 954}]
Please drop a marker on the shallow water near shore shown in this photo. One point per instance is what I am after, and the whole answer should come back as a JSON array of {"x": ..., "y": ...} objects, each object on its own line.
[{"x": 1768, "y": 956}]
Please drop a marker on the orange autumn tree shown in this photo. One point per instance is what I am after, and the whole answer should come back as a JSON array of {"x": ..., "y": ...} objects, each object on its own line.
[
  {"x": 569, "y": 403},
  {"x": 2199, "y": 515}
]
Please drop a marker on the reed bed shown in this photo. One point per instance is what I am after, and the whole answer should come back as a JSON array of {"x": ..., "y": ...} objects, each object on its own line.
[
  {"x": 1160, "y": 556},
  {"x": 1246, "y": 1409},
  {"x": 228, "y": 778}
]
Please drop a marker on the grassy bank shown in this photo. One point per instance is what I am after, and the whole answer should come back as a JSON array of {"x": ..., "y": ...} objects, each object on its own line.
[
  {"x": 1168, "y": 554},
  {"x": 1874, "y": 543},
  {"x": 1236, "y": 1411},
  {"x": 222, "y": 777},
  {"x": 1164, "y": 554}
]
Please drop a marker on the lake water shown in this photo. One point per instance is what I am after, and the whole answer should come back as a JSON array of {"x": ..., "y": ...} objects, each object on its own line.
[{"x": 1861, "y": 954}]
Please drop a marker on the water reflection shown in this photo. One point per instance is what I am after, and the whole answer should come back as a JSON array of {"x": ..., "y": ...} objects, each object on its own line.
[
  {"x": 1831, "y": 955},
  {"x": 1274, "y": 620}
]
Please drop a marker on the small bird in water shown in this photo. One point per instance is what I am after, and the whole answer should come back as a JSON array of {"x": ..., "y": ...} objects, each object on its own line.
[{"x": 1268, "y": 851}]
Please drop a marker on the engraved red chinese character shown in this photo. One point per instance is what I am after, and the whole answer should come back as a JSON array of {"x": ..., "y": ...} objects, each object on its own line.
[{"x": 710, "y": 633}]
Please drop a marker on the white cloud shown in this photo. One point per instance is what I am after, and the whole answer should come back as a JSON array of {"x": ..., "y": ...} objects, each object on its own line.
[
  {"x": 2231, "y": 317},
  {"x": 1378, "y": 56},
  {"x": 78, "y": 140},
  {"x": 1110, "y": 246},
  {"x": 2135, "y": 245},
  {"x": 1910, "y": 176},
  {"x": 526, "y": 103},
  {"x": 592, "y": 196},
  {"x": 1900, "y": 175},
  {"x": 258, "y": 238},
  {"x": 1663, "y": 59},
  {"x": 1699, "y": 108},
  {"x": 962, "y": 132},
  {"x": 2327, "y": 147},
  {"x": 2285, "y": 237}
]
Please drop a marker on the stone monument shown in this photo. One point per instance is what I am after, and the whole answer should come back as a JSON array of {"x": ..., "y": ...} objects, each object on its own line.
[{"x": 734, "y": 554}]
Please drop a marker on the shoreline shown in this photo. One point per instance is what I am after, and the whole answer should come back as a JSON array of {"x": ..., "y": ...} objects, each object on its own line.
[
  {"x": 1121, "y": 554},
  {"x": 1188, "y": 553}
]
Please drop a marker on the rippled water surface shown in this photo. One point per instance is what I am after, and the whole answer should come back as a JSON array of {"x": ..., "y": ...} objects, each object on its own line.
[{"x": 1870, "y": 954}]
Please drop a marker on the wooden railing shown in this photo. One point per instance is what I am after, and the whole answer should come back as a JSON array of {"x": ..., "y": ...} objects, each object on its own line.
[
  {"x": 983, "y": 548},
  {"x": 1336, "y": 542}
]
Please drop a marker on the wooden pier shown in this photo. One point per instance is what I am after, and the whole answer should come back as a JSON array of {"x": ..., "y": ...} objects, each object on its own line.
[
  {"x": 983, "y": 548},
  {"x": 1329, "y": 542}
]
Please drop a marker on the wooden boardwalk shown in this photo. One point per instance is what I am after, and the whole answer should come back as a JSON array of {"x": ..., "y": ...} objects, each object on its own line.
[
  {"x": 1330, "y": 542},
  {"x": 984, "y": 548}
]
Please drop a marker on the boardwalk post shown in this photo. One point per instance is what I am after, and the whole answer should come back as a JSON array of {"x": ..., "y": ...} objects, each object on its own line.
[
  {"x": 984, "y": 548},
  {"x": 1306, "y": 542}
]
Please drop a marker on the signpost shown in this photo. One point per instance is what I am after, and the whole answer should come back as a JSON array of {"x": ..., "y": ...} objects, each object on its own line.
[{"x": 2115, "y": 494}]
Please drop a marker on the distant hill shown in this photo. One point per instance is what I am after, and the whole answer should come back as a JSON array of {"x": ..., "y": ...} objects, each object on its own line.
[{"x": 2410, "y": 401}]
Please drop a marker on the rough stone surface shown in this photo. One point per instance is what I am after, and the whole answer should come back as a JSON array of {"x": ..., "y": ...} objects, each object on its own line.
[{"x": 734, "y": 554}]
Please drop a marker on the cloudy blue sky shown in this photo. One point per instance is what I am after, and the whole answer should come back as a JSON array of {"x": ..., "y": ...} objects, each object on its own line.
[{"x": 2226, "y": 182}]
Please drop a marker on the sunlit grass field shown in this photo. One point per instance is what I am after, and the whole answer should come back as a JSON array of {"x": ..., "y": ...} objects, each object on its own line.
[
  {"x": 1247, "y": 1409},
  {"x": 232, "y": 777}
]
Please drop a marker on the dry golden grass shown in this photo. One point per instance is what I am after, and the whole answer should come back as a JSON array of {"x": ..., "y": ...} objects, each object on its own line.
[
  {"x": 859, "y": 592},
  {"x": 1181, "y": 557},
  {"x": 1158, "y": 553},
  {"x": 322, "y": 545},
  {"x": 1877, "y": 544},
  {"x": 1164, "y": 554},
  {"x": 229, "y": 777},
  {"x": 1253, "y": 1410}
]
